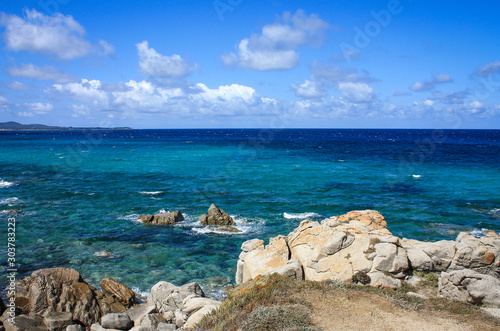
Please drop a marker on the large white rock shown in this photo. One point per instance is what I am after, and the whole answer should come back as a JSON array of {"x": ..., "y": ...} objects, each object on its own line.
[{"x": 470, "y": 286}]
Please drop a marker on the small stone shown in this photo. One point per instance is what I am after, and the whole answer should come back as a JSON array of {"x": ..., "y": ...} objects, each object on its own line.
[{"x": 120, "y": 321}]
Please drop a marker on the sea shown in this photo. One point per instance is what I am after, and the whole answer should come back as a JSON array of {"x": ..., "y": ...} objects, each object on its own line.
[{"x": 76, "y": 195}]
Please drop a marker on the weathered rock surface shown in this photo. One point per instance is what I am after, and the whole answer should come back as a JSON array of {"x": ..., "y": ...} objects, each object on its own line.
[
  {"x": 181, "y": 306},
  {"x": 216, "y": 216},
  {"x": 359, "y": 243},
  {"x": 119, "y": 321},
  {"x": 167, "y": 218},
  {"x": 470, "y": 286},
  {"x": 119, "y": 291},
  {"x": 58, "y": 321},
  {"x": 61, "y": 290}
]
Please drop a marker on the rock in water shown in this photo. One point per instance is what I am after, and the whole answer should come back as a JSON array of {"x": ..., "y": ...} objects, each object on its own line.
[
  {"x": 116, "y": 289},
  {"x": 216, "y": 216},
  {"x": 162, "y": 218}
]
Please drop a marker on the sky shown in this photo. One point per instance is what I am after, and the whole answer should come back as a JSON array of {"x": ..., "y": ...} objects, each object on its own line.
[{"x": 251, "y": 64}]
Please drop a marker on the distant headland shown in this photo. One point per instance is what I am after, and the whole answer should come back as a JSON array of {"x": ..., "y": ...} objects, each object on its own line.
[{"x": 14, "y": 126}]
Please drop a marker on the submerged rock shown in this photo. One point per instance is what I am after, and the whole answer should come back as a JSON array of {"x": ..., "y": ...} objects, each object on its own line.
[
  {"x": 226, "y": 228},
  {"x": 216, "y": 216}
]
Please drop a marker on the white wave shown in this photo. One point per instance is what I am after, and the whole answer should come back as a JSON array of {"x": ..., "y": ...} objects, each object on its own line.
[
  {"x": 241, "y": 223},
  {"x": 416, "y": 176},
  {"x": 478, "y": 233},
  {"x": 494, "y": 211},
  {"x": 4, "y": 183},
  {"x": 132, "y": 217},
  {"x": 9, "y": 201},
  {"x": 137, "y": 290},
  {"x": 162, "y": 211},
  {"x": 151, "y": 192},
  {"x": 290, "y": 216}
]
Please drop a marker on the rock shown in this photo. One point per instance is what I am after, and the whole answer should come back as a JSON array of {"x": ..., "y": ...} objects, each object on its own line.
[
  {"x": 137, "y": 313},
  {"x": 292, "y": 269},
  {"x": 119, "y": 321},
  {"x": 102, "y": 254},
  {"x": 25, "y": 323},
  {"x": 75, "y": 327},
  {"x": 193, "y": 304},
  {"x": 479, "y": 254},
  {"x": 61, "y": 290},
  {"x": 262, "y": 260},
  {"x": 166, "y": 327},
  {"x": 58, "y": 321},
  {"x": 470, "y": 286},
  {"x": 152, "y": 320},
  {"x": 383, "y": 280},
  {"x": 119, "y": 291},
  {"x": 168, "y": 218},
  {"x": 198, "y": 315},
  {"x": 226, "y": 228},
  {"x": 145, "y": 218},
  {"x": 216, "y": 216},
  {"x": 140, "y": 328},
  {"x": 169, "y": 298},
  {"x": 429, "y": 256}
]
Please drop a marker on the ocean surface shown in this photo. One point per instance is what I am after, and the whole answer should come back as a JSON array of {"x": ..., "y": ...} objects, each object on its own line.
[{"x": 79, "y": 193}]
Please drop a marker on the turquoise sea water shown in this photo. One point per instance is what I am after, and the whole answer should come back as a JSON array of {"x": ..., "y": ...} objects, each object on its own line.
[{"x": 79, "y": 192}]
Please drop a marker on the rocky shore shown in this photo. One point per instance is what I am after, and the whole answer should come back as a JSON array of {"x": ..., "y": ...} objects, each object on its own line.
[
  {"x": 358, "y": 247},
  {"x": 353, "y": 248}
]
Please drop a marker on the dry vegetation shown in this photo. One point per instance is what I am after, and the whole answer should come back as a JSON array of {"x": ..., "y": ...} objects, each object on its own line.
[{"x": 279, "y": 303}]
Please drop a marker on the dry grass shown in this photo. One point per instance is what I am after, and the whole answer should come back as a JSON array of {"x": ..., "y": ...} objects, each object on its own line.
[{"x": 278, "y": 303}]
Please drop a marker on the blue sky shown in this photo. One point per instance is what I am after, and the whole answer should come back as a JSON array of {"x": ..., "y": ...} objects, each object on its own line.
[{"x": 243, "y": 64}]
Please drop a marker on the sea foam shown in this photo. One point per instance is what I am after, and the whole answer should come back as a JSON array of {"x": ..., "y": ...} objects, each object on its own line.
[
  {"x": 4, "y": 183},
  {"x": 291, "y": 216}
]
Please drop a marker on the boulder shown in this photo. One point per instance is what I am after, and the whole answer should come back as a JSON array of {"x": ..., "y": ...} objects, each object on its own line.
[
  {"x": 168, "y": 218},
  {"x": 61, "y": 290},
  {"x": 226, "y": 228},
  {"x": 429, "y": 256},
  {"x": 166, "y": 327},
  {"x": 196, "y": 317},
  {"x": 75, "y": 327},
  {"x": 216, "y": 216},
  {"x": 58, "y": 321},
  {"x": 119, "y": 291},
  {"x": 25, "y": 323},
  {"x": 479, "y": 254},
  {"x": 169, "y": 298},
  {"x": 137, "y": 313},
  {"x": 119, "y": 321},
  {"x": 258, "y": 260},
  {"x": 470, "y": 286},
  {"x": 152, "y": 320}
]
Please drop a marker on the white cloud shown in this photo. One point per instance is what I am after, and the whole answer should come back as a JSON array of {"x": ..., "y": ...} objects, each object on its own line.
[
  {"x": 18, "y": 86},
  {"x": 106, "y": 48},
  {"x": 39, "y": 108},
  {"x": 40, "y": 73},
  {"x": 427, "y": 85},
  {"x": 309, "y": 90},
  {"x": 154, "y": 64},
  {"x": 489, "y": 69},
  {"x": 86, "y": 90},
  {"x": 356, "y": 92},
  {"x": 476, "y": 104},
  {"x": 276, "y": 46},
  {"x": 59, "y": 35}
]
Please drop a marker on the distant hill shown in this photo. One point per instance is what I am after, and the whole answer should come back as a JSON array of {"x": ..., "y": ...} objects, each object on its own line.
[{"x": 14, "y": 126}]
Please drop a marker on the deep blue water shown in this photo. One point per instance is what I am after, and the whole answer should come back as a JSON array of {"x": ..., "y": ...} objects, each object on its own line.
[{"x": 79, "y": 192}]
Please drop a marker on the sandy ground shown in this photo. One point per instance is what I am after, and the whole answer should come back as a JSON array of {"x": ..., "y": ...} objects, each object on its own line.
[{"x": 368, "y": 311}]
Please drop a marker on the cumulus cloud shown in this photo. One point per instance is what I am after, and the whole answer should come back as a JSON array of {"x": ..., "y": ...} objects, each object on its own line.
[
  {"x": 58, "y": 35},
  {"x": 427, "y": 85},
  {"x": 488, "y": 69},
  {"x": 39, "y": 108},
  {"x": 135, "y": 97},
  {"x": 356, "y": 92},
  {"x": 276, "y": 46},
  {"x": 40, "y": 73},
  {"x": 89, "y": 91},
  {"x": 154, "y": 64},
  {"x": 309, "y": 90}
]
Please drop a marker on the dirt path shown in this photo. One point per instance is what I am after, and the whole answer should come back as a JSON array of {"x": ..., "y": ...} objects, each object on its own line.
[{"x": 356, "y": 310}]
